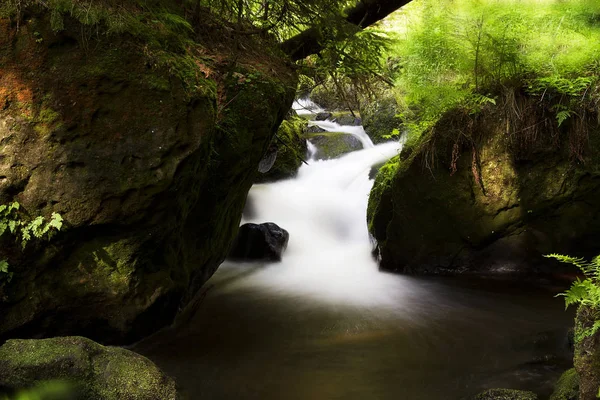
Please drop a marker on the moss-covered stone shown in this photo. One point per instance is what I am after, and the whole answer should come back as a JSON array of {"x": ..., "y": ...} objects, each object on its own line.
[
  {"x": 148, "y": 166},
  {"x": 567, "y": 387},
  {"x": 587, "y": 353},
  {"x": 333, "y": 144},
  {"x": 289, "y": 145},
  {"x": 505, "y": 394},
  {"x": 92, "y": 371},
  {"x": 484, "y": 205}
]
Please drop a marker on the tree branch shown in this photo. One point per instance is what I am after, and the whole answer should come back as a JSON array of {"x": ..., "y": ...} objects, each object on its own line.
[{"x": 363, "y": 14}]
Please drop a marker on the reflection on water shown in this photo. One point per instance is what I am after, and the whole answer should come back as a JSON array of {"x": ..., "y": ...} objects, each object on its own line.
[
  {"x": 326, "y": 324},
  {"x": 445, "y": 341}
]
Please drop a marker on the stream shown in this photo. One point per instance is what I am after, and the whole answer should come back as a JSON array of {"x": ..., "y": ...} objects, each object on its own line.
[{"x": 325, "y": 323}]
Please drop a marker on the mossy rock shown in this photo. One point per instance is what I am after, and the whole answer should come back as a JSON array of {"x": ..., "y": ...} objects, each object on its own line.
[
  {"x": 289, "y": 149},
  {"x": 587, "y": 353},
  {"x": 149, "y": 168},
  {"x": 567, "y": 386},
  {"x": 487, "y": 207},
  {"x": 92, "y": 371},
  {"x": 333, "y": 144},
  {"x": 505, "y": 394}
]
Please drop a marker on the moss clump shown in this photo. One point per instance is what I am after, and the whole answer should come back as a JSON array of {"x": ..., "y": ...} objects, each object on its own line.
[
  {"x": 567, "y": 387},
  {"x": 505, "y": 394},
  {"x": 90, "y": 370}
]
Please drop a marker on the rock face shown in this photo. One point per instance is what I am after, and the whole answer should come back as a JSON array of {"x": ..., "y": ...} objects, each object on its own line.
[
  {"x": 259, "y": 242},
  {"x": 149, "y": 170},
  {"x": 493, "y": 204},
  {"x": 91, "y": 371}
]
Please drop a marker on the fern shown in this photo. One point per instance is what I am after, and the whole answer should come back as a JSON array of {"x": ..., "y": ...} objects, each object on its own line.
[
  {"x": 24, "y": 231},
  {"x": 583, "y": 292}
]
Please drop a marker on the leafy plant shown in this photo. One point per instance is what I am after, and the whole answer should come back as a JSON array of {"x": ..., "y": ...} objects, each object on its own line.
[
  {"x": 583, "y": 292},
  {"x": 24, "y": 230}
]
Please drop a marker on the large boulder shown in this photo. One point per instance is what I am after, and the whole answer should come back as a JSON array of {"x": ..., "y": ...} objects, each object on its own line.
[
  {"x": 259, "y": 242},
  {"x": 489, "y": 194},
  {"x": 148, "y": 154},
  {"x": 87, "y": 370}
]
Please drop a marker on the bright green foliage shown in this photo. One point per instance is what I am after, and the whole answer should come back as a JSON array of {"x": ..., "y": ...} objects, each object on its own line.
[
  {"x": 24, "y": 230},
  {"x": 463, "y": 53},
  {"x": 583, "y": 292}
]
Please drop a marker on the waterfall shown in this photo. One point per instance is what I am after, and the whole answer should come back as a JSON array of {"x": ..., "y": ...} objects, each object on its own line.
[{"x": 306, "y": 106}]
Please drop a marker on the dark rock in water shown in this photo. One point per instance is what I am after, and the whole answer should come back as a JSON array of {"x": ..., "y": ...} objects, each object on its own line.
[
  {"x": 567, "y": 387},
  {"x": 256, "y": 242},
  {"x": 83, "y": 369},
  {"x": 267, "y": 162},
  {"x": 323, "y": 116},
  {"x": 314, "y": 129},
  {"x": 505, "y": 394}
]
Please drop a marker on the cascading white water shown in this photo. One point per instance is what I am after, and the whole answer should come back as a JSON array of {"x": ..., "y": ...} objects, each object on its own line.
[
  {"x": 329, "y": 251},
  {"x": 306, "y": 106},
  {"x": 326, "y": 324},
  {"x": 356, "y": 131}
]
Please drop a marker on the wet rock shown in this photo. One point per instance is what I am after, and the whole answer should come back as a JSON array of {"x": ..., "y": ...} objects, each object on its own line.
[
  {"x": 88, "y": 370},
  {"x": 567, "y": 387},
  {"x": 505, "y": 394},
  {"x": 332, "y": 145},
  {"x": 323, "y": 116},
  {"x": 348, "y": 119},
  {"x": 259, "y": 242}
]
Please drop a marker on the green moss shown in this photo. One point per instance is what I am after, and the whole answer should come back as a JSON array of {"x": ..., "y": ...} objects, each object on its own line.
[
  {"x": 95, "y": 371},
  {"x": 567, "y": 387},
  {"x": 291, "y": 150}
]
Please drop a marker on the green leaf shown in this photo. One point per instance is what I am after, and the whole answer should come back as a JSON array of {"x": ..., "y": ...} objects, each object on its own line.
[
  {"x": 12, "y": 225},
  {"x": 4, "y": 266}
]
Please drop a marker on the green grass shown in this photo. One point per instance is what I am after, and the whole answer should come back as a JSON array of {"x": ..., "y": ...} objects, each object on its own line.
[{"x": 462, "y": 53}]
